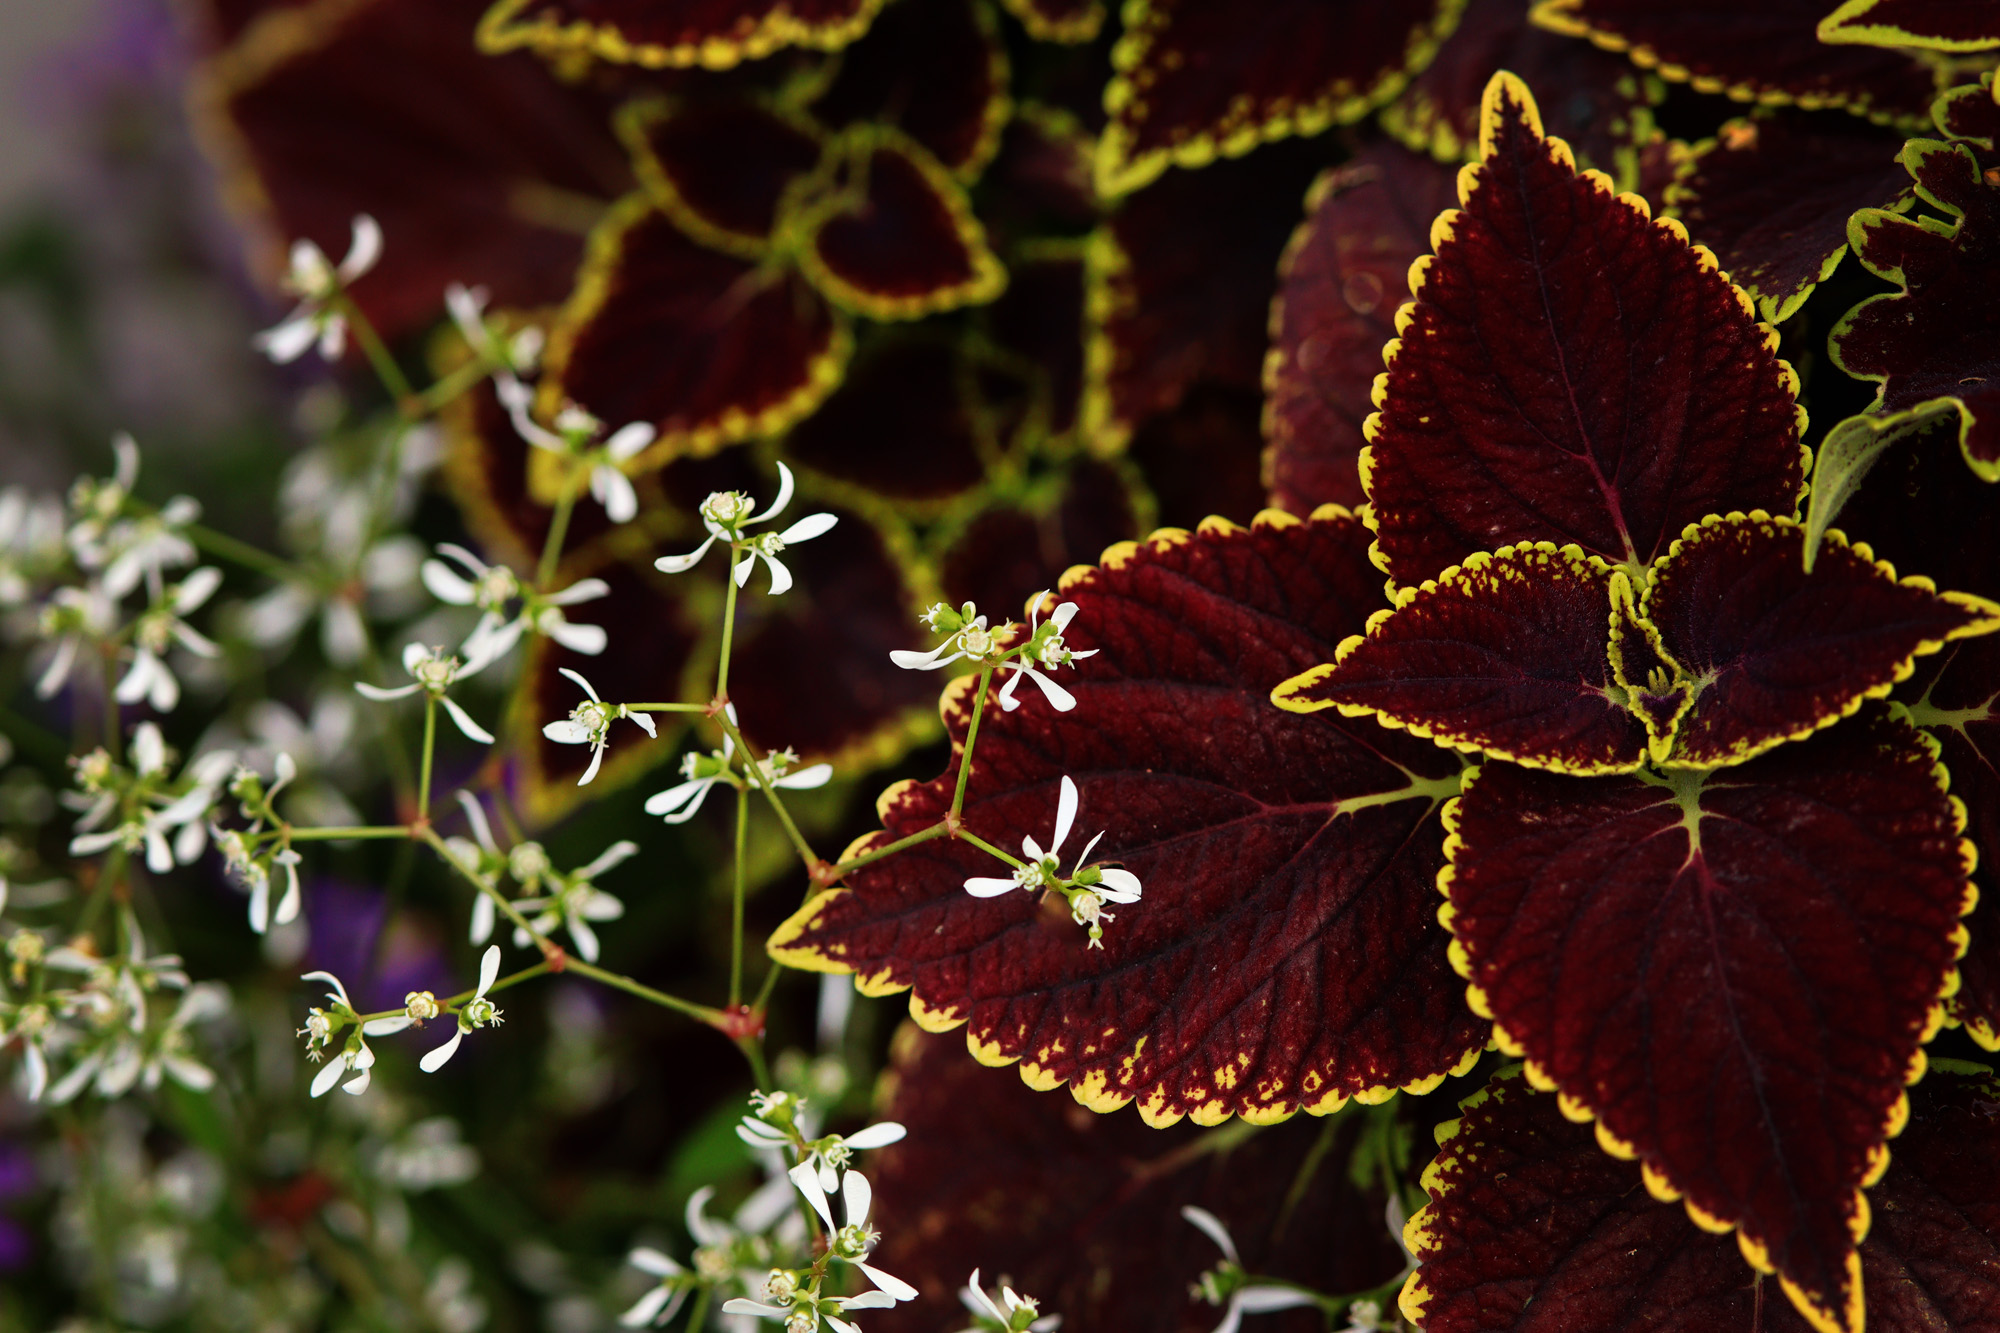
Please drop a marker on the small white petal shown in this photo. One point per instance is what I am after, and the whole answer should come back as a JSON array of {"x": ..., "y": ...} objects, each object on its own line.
[
  {"x": 1066, "y": 804},
  {"x": 615, "y": 855},
  {"x": 745, "y": 567},
  {"x": 876, "y": 1136},
  {"x": 784, "y": 495},
  {"x": 646, "y": 724},
  {"x": 1211, "y": 1226},
  {"x": 385, "y": 1027},
  {"x": 583, "y": 590},
  {"x": 590, "y": 640},
  {"x": 287, "y": 342},
  {"x": 324, "y": 1080},
  {"x": 434, "y": 1061},
  {"x": 566, "y": 732},
  {"x": 584, "y": 684},
  {"x": 665, "y": 802},
  {"x": 807, "y": 528},
  {"x": 889, "y": 1283},
  {"x": 585, "y": 937},
  {"x": 1260, "y": 1300},
  {"x": 380, "y": 695},
  {"x": 680, "y": 564},
  {"x": 648, "y": 1260},
  {"x": 982, "y": 887},
  {"x": 626, "y": 442},
  {"x": 643, "y": 1310},
  {"x": 445, "y": 584},
  {"x": 613, "y": 490},
  {"x": 806, "y": 1177},
  {"x": 1120, "y": 886},
  {"x": 465, "y": 723},
  {"x": 482, "y": 919},
  {"x": 596, "y": 762},
  {"x": 364, "y": 250},
  {"x": 806, "y": 778}
]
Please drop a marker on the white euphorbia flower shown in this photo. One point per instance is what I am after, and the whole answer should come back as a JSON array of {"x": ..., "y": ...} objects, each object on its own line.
[
  {"x": 477, "y": 1012},
  {"x": 479, "y": 856},
  {"x": 727, "y": 513},
  {"x": 72, "y": 618},
  {"x": 804, "y": 1312},
  {"x": 830, "y": 1154},
  {"x": 1012, "y": 1312},
  {"x": 663, "y": 1300},
  {"x": 493, "y": 589},
  {"x": 589, "y": 723},
  {"x": 574, "y": 902},
  {"x": 679, "y": 803},
  {"x": 1044, "y": 651},
  {"x": 170, "y": 828},
  {"x": 435, "y": 671},
  {"x": 354, "y": 1057},
  {"x": 513, "y": 356},
  {"x": 31, "y": 1025},
  {"x": 1227, "y": 1283},
  {"x": 316, "y": 281},
  {"x": 851, "y": 1238},
  {"x": 1087, "y": 887},
  {"x": 966, "y": 636},
  {"x": 573, "y": 437},
  {"x": 159, "y": 628}
]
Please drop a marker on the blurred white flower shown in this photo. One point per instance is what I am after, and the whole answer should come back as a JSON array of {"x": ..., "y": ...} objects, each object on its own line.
[
  {"x": 663, "y": 1300},
  {"x": 161, "y": 626},
  {"x": 316, "y": 281},
  {"x": 494, "y": 588},
  {"x": 1012, "y": 1312},
  {"x": 574, "y": 436},
  {"x": 574, "y": 902}
]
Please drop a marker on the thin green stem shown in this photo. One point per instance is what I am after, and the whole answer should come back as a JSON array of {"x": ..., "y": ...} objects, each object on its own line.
[
  {"x": 100, "y": 893},
  {"x": 971, "y": 737},
  {"x": 770, "y": 984},
  {"x": 430, "y": 745},
  {"x": 392, "y": 376},
  {"x": 665, "y": 708},
  {"x": 344, "y": 834},
  {"x": 451, "y": 386},
  {"x": 990, "y": 849},
  {"x": 888, "y": 849},
  {"x": 552, "y": 545},
  {"x": 644, "y": 992},
  {"x": 728, "y": 630},
  {"x": 736, "y": 903},
  {"x": 226, "y": 547},
  {"x": 755, "y": 768},
  {"x": 753, "y": 1051}
]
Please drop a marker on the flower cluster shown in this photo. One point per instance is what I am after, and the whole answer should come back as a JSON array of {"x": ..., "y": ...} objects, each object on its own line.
[
  {"x": 321, "y": 288},
  {"x": 1030, "y": 656},
  {"x": 1086, "y": 888},
  {"x": 728, "y": 516}
]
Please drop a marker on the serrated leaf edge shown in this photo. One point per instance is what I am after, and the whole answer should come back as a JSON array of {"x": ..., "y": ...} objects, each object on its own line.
[{"x": 503, "y": 28}]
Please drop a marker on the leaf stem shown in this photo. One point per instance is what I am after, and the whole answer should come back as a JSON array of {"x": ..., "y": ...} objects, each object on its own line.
[
  {"x": 990, "y": 849},
  {"x": 392, "y": 376},
  {"x": 937, "y": 830},
  {"x": 346, "y": 833},
  {"x": 736, "y": 903},
  {"x": 665, "y": 708},
  {"x": 755, "y": 768},
  {"x": 545, "y": 569},
  {"x": 430, "y": 745},
  {"x": 645, "y": 992},
  {"x": 243, "y": 553},
  {"x": 971, "y": 737},
  {"x": 728, "y": 631},
  {"x": 548, "y": 947}
]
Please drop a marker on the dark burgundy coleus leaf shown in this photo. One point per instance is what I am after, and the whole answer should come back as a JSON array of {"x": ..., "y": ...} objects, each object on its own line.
[
  {"x": 895, "y": 237},
  {"x": 1940, "y": 336},
  {"x": 1765, "y": 52},
  {"x": 713, "y": 34},
  {"x": 1970, "y": 112},
  {"x": 1340, "y": 282},
  {"x": 1771, "y": 196},
  {"x": 1678, "y": 956},
  {"x": 1040, "y": 180},
  {"x": 1935, "y": 25},
  {"x": 1595, "y": 102},
  {"x": 1284, "y": 956},
  {"x": 1203, "y": 457},
  {"x": 905, "y": 425},
  {"x": 1506, "y": 654},
  {"x": 1040, "y": 319},
  {"x": 719, "y": 169},
  {"x": 1198, "y": 79},
  {"x": 1059, "y": 20},
  {"x": 223, "y": 21},
  {"x": 480, "y": 170},
  {"x": 1571, "y": 371},
  {"x": 1770, "y": 652},
  {"x": 1022, "y": 545},
  {"x": 710, "y": 348},
  {"x": 1956, "y": 699},
  {"x": 1083, "y": 1212},
  {"x": 1180, "y": 286},
  {"x": 1532, "y": 1228},
  {"x": 933, "y": 68}
]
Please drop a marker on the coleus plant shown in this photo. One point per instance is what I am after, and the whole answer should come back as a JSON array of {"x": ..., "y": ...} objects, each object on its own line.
[{"x": 1692, "y": 770}]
